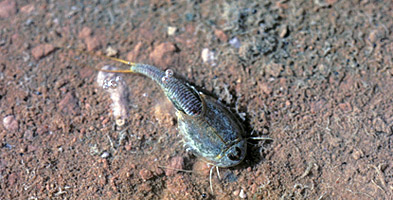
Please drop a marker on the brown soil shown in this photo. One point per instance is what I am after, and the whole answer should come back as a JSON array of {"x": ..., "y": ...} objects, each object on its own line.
[{"x": 316, "y": 76}]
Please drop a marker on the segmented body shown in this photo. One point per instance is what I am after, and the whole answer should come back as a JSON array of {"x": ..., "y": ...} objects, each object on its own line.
[
  {"x": 210, "y": 130},
  {"x": 182, "y": 96}
]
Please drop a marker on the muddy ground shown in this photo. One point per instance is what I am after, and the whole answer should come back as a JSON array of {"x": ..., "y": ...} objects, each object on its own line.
[{"x": 315, "y": 76}]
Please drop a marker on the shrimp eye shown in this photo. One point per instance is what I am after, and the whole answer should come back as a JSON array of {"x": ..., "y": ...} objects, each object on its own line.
[{"x": 234, "y": 156}]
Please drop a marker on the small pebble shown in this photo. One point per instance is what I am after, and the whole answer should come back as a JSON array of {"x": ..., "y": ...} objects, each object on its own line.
[
  {"x": 27, "y": 9},
  {"x": 163, "y": 53},
  {"x": 42, "y": 50},
  {"x": 235, "y": 42},
  {"x": 208, "y": 56},
  {"x": 111, "y": 52},
  {"x": 177, "y": 163},
  {"x": 93, "y": 43},
  {"x": 10, "y": 123},
  {"x": 220, "y": 34},
  {"x": 283, "y": 31},
  {"x": 145, "y": 174},
  {"x": 242, "y": 194},
  {"x": 171, "y": 30},
  {"x": 69, "y": 104},
  {"x": 86, "y": 32},
  {"x": 120, "y": 121},
  {"x": 105, "y": 155},
  {"x": 357, "y": 154},
  {"x": 373, "y": 36},
  {"x": 202, "y": 168}
]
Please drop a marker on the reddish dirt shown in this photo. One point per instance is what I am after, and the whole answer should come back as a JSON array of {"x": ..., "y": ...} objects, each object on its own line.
[{"x": 316, "y": 76}]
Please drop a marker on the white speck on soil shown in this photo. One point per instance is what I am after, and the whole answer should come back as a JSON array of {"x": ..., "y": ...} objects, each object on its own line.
[
  {"x": 208, "y": 57},
  {"x": 10, "y": 123},
  {"x": 242, "y": 194}
]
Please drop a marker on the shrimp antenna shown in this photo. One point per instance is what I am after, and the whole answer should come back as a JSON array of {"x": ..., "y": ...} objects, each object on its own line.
[{"x": 106, "y": 57}]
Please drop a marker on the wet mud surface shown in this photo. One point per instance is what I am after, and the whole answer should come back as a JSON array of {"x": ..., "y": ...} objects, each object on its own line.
[{"x": 315, "y": 76}]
